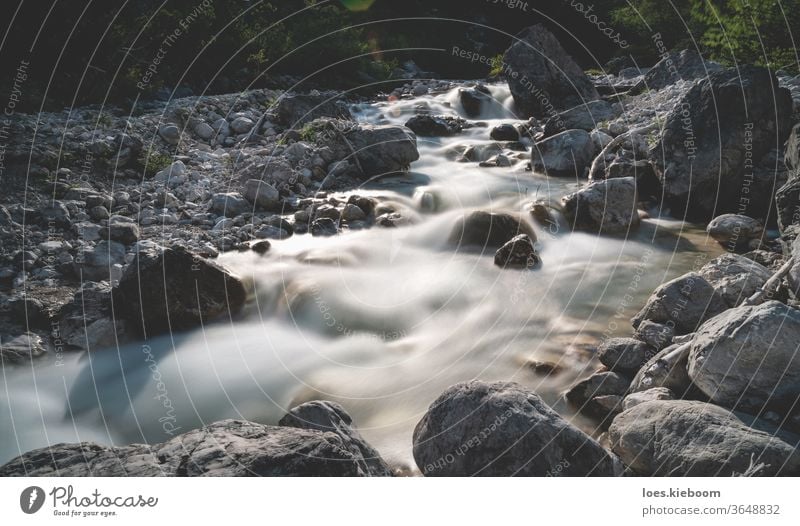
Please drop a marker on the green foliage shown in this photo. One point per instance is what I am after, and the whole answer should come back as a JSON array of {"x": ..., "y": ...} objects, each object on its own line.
[{"x": 153, "y": 161}]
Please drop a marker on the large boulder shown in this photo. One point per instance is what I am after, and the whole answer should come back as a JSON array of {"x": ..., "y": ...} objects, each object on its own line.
[
  {"x": 331, "y": 417},
  {"x": 435, "y": 126},
  {"x": 747, "y": 357},
  {"x": 542, "y": 77},
  {"x": 502, "y": 429},
  {"x": 714, "y": 136},
  {"x": 566, "y": 154},
  {"x": 683, "y": 304},
  {"x": 680, "y": 438},
  {"x": 735, "y": 231},
  {"x": 230, "y": 448},
  {"x": 488, "y": 229},
  {"x": 173, "y": 290},
  {"x": 788, "y": 196},
  {"x": 624, "y": 355},
  {"x": 262, "y": 194},
  {"x": 735, "y": 277},
  {"x": 675, "y": 66},
  {"x": 296, "y": 109},
  {"x": 607, "y": 206},
  {"x": 374, "y": 150},
  {"x": 585, "y": 117}
]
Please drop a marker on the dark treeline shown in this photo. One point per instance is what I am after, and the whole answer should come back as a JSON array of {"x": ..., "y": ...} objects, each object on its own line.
[{"x": 91, "y": 51}]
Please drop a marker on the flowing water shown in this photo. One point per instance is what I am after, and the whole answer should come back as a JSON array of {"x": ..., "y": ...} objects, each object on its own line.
[{"x": 380, "y": 320}]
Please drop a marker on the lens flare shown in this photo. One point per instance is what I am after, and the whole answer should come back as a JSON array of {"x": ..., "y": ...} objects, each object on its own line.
[{"x": 358, "y": 5}]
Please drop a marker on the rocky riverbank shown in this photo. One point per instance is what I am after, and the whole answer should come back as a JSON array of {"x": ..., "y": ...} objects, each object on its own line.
[{"x": 112, "y": 224}]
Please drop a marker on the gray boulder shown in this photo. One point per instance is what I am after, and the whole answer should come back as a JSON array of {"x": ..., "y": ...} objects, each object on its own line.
[
  {"x": 650, "y": 395},
  {"x": 502, "y": 429},
  {"x": 102, "y": 262},
  {"x": 607, "y": 206},
  {"x": 624, "y": 355},
  {"x": 585, "y": 117},
  {"x": 735, "y": 231},
  {"x": 295, "y": 110},
  {"x": 230, "y": 448},
  {"x": 262, "y": 194},
  {"x": 682, "y": 65},
  {"x": 683, "y": 303},
  {"x": 174, "y": 290},
  {"x": 542, "y": 77},
  {"x": 331, "y": 417},
  {"x": 566, "y": 154},
  {"x": 21, "y": 349},
  {"x": 486, "y": 229},
  {"x": 659, "y": 373},
  {"x": 583, "y": 395},
  {"x": 230, "y": 204},
  {"x": 747, "y": 357},
  {"x": 520, "y": 252},
  {"x": 703, "y": 153},
  {"x": 736, "y": 278},
  {"x": 375, "y": 150},
  {"x": 681, "y": 438}
]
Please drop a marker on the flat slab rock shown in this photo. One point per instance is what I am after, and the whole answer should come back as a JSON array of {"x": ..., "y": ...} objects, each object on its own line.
[{"x": 325, "y": 445}]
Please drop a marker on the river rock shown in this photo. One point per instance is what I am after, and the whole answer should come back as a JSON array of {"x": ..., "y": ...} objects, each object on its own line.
[
  {"x": 520, "y": 252},
  {"x": 586, "y": 116},
  {"x": 582, "y": 396},
  {"x": 747, "y": 357},
  {"x": 486, "y": 229},
  {"x": 230, "y": 448},
  {"x": 175, "y": 290},
  {"x": 376, "y": 150},
  {"x": 624, "y": 355},
  {"x": 704, "y": 156},
  {"x": 656, "y": 393},
  {"x": 230, "y": 204},
  {"x": 295, "y": 110},
  {"x": 103, "y": 261},
  {"x": 542, "y": 77},
  {"x": 473, "y": 100},
  {"x": 262, "y": 194},
  {"x": 659, "y": 373},
  {"x": 735, "y": 231},
  {"x": 683, "y": 303},
  {"x": 502, "y": 429},
  {"x": 331, "y": 417},
  {"x": 504, "y": 132},
  {"x": 435, "y": 126},
  {"x": 656, "y": 335},
  {"x": 736, "y": 278},
  {"x": 682, "y": 65},
  {"x": 21, "y": 349},
  {"x": 608, "y": 207},
  {"x": 680, "y": 438},
  {"x": 567, "y": 154}
]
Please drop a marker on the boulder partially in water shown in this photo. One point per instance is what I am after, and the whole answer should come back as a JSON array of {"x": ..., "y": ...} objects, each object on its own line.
[
  {"x": 566, "y": 154},
  {"x": 230, "y": 448},
  {"x": 683, "y": 303},
  {"x": 502, "y": 429},
  {"x": 608, "y": 206},
  {"x": 487, "y": 229},
  {"x": 173, "y": 290}
]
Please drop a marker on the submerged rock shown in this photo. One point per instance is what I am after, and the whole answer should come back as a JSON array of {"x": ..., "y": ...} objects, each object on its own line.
[
  {"x": 747, "y": 357},
  {"x": 175, "y": 290},
  {"x": 542, "y": 76},
  {"x": 502, "y": 429},
  {"x": 681, "y": 438}
]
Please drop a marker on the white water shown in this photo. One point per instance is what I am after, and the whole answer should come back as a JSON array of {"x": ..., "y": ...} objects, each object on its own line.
[{"x": 381, "y": 320}]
